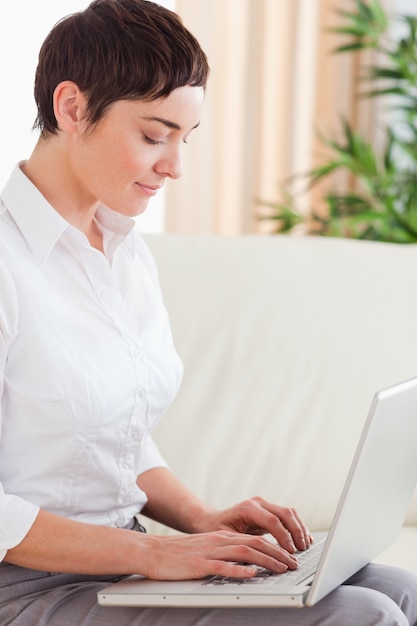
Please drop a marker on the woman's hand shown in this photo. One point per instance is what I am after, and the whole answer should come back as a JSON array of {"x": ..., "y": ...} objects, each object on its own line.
[
  {"x": 223, "y": 553},
  {"x": 219, "y": 538},
  {"x": 257, "y": 516}
]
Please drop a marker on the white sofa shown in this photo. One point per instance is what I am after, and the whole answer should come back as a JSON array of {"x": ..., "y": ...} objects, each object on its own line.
[{"x": 284, "y": 342}]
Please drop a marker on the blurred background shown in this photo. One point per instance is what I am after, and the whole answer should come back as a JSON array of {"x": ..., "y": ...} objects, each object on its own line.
[{"x": 275, "y": 83}]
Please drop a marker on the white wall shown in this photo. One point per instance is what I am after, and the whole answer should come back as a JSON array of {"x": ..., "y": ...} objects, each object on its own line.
[{"x": 23, "y": 27}]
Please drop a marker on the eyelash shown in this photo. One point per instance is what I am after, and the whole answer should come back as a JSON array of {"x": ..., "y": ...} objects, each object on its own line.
[{"x": 153, "y": 142}]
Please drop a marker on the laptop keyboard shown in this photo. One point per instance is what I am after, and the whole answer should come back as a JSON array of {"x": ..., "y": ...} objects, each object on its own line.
[{"x": 307, "y": 565}]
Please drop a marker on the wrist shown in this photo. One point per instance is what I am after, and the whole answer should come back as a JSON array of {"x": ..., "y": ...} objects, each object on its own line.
[{"x": 203, "y": 519}]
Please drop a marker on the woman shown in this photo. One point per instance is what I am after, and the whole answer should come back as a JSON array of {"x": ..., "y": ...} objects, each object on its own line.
[{"x": 87, "y": 361}]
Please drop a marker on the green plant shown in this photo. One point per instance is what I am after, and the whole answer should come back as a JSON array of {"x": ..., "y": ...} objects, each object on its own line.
[{"x": 381, "y": 202}]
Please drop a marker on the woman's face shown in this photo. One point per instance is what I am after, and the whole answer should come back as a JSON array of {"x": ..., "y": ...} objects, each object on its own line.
[{"x": 124, "y": 159}]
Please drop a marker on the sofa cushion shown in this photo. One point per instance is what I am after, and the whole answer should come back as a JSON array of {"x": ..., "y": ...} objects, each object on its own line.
[{"x": 284, "y": 342}]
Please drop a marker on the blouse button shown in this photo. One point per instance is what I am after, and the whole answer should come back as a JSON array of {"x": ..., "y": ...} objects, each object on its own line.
[
  {"x": 136, "y": 434},
  {"x": 141, "y": 391},
  {"x": 128, "y": 497}
]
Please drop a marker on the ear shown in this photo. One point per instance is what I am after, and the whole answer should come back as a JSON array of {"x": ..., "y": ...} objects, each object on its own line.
[{"x": 69, "y": 106}]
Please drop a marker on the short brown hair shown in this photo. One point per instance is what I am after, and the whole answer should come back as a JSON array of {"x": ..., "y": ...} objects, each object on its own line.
[{"x": 117, "y": 50}]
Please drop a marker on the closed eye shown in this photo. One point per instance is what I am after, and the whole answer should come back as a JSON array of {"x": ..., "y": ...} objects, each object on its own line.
[{"x": 153, "y": 142}]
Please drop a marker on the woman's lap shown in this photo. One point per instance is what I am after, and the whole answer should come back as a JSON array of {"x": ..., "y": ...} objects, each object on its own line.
[{"x": 376, "y": 595}]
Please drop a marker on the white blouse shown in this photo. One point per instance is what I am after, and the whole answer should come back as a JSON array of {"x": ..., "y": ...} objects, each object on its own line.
[{"x": 87, "y": 366}]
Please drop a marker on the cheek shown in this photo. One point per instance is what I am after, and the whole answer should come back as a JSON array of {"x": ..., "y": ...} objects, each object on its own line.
[
  {"x": 112, "y": 157},
  {"x": 130, "y": 159},
  {"x": 107, "y": 167}
]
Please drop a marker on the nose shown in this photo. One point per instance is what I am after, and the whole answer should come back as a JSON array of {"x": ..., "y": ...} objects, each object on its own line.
[{"x": 170, "y": 165}]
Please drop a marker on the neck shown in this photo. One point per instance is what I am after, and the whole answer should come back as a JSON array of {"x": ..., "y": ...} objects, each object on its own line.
[{"x": 50, "y": 171}]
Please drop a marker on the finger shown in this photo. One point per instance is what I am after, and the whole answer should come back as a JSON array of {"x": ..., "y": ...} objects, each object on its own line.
[
  {"x": 308, "y": 537},
  {"x": 240, "y": 570},
  {"x": 286, "y": 526},
  {"x": 258, "y": 518},
  {"x": 271, "y": 519},
  {"x": 299, "y": 531},
  {"x": 258, "y": 552},
  {"x": 295, "y": 527}
]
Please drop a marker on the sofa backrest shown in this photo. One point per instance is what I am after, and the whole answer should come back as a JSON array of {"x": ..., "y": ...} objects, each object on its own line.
[{"x": 284, "y": 342}]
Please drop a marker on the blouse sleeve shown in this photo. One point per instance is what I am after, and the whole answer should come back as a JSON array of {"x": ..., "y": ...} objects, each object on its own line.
[
  {"x": 16, "y": 514},
  {"x": 150, "y": 456}
]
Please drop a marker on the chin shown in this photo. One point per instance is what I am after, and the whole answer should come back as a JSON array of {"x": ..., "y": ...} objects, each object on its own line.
[
  {"x": 133, "y": 210},
  {"x": 137, "y": 212},
  {"x": 137, "y": 208}
]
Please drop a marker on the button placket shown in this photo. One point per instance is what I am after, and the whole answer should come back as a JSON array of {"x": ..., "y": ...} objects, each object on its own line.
[
  {"x": 101, "y": 277},
  {"x": 128, "y": 462}
]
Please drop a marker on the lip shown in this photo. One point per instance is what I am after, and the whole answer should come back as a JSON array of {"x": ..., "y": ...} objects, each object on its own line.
[{"x": 148, "y": 190}]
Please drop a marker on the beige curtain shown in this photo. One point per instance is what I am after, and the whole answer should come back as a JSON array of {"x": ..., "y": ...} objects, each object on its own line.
[{"x": 274, "y": 83}]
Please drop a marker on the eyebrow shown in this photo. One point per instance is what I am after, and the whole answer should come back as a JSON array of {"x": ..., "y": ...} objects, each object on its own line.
[{"x": 167, "y": 123}]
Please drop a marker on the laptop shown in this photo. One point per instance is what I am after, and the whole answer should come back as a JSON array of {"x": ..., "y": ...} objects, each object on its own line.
[{"x": 368, "y": 519}]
